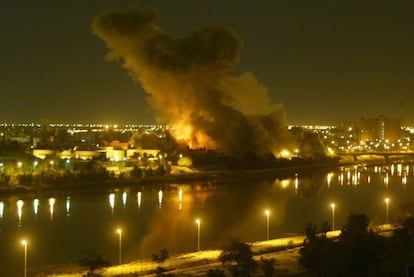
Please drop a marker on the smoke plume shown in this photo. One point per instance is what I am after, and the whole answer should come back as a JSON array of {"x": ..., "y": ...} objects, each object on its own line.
[{"x": 191, "y": 84}]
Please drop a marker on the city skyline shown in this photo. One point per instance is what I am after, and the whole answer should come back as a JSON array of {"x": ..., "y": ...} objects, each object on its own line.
[{"x": 323, "y": 62}]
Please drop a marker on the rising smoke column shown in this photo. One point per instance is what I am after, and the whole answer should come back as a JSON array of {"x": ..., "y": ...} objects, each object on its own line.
[{"x": 191, "y": 84}]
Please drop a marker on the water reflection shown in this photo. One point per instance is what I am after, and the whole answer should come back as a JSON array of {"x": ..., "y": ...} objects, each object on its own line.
[
  {"x": 68, "y": 205},
  {"x": 341, "y": 178},
  {"x": 19, "y": 204},
  {"x": 36, "y": 206},
  {"x": 180, "y": 199},
  {"x": 52, "y": 207},
  {"x": 124, "y": 199},
  {"x": 296, "y": 182},
  {"x": 112, "y": 201},
  {"x": 404, "y": 180},
  {"x": 284, "y": 183},
  {"x": 139, "y": 200},
  {"x": 386, "y": 180},
  {"x": 329, "y": 177},
  {"x": 357, "y": 175},
  {"x": 160, "y": 194},
  {"x": 1, "y": 209},
  {"x": 348, "y": 176}
]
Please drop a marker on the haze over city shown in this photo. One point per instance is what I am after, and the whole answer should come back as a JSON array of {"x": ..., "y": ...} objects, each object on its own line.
[{"x": 321, "y": 61}]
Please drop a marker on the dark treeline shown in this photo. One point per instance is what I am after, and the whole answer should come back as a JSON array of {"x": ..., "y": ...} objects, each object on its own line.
[
  {"x": 214, "y": 160},
  {"x": 359, "y": 251}
]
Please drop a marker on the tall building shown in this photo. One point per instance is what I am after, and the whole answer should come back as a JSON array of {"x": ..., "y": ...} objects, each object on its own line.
[{"x": 379, "y": 129}]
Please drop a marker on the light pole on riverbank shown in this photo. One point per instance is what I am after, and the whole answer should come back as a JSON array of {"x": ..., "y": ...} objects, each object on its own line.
[
  {"x": 119, "y": 231},
  {"x": 333, "y": 216},
  {"x": 198, "y": 222},
  {"x": 267, "y": 213},
  {"x": 24, "y": 243},
  {"x": 387, "y": 201}
]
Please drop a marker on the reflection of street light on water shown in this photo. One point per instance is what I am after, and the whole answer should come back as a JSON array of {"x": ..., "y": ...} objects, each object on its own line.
[
  {"x": 180, "y": 199},
  {"x": 124, "y": 198},
  {"x": 112, "y": 201},
  {"x": 68, "y": 205},
  {"x": 36, "y": 206},
  {"x": 20, "y": 204},
  {"x": 1, "y": 209},
  {"x": 160, "y": 198},
  {"x": 139, "y": 196},
  {"x": 52, "y": 206}
]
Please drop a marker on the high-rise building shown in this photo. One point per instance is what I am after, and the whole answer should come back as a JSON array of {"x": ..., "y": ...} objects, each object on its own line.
[{"x": 379, "y": 129}]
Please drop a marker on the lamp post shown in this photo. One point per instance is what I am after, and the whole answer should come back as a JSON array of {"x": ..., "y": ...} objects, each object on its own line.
[
  {"x": 119, "y": 231},
  {"x": 333, "y": 216},
  {"x": 267, "y": 213},
  {"x": 198, "y": 222},
  {"x": 24, "y": 243},
  {"x": 387, "y": 201}
]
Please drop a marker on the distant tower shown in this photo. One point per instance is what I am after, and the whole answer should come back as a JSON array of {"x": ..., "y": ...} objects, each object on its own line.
[
  {"x": 44, "y": 122},
  {"x": 46, "y": 135},
  {"x": 401, "y": 107}
]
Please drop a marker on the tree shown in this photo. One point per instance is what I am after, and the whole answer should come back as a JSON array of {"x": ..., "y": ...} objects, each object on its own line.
[
  {"x": 238, "y": 256},
  {"x": 316, "y": 253},
  {"x": 401, "y": 246},
  {"x": 136, "y": 172},
  {"x": 268, "y": 267},
  {"x": 93, "y": 262},
  {"x": 160, "y": 258},
  {"x": 358, "y": 251},
  {"x": 215, "y": 273},
  {"x": 362, "y": 249}
]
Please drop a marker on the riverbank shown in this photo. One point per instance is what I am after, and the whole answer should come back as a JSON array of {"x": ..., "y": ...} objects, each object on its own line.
[
  {"x": 203, "y": 177},
  {"x": 285, "y": 251}
]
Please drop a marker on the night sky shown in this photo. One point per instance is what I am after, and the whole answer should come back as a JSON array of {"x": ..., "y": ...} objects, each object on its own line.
[{"x": 323, "y": 61}]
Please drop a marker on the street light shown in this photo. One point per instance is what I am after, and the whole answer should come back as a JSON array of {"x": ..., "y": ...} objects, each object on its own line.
[
  {"x": 267, "y": 213},
  {"x": 24, "y": 243},
  {"x": 119, "y": 231},
  {"x": 387, "y": 201},
  {"x": 198, "y": 222},
  {"x": 333, "y": 216}
]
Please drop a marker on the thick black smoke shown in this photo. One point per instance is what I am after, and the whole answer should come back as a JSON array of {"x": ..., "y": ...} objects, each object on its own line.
[{"x": 191, "y": 84}]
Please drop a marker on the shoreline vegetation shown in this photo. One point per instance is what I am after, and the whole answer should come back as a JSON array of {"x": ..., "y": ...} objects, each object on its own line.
[
  {"x": 54, "y": 182},
  {"x": 75, "y": 182}
]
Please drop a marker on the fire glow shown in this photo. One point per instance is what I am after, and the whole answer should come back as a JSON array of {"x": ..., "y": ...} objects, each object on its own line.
[{"x": 192, "y": 85}]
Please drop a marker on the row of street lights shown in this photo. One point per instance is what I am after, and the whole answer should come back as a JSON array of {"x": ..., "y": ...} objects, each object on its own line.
[
  {"x": 25, "y": 243},
  {"x": 267, "y": 214},
  {"x": 386, "y": 200},
  {"x": 198, "y": 222}
]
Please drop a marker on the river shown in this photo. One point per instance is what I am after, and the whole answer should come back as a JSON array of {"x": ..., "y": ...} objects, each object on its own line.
[{"x": 60, "y": 228}]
